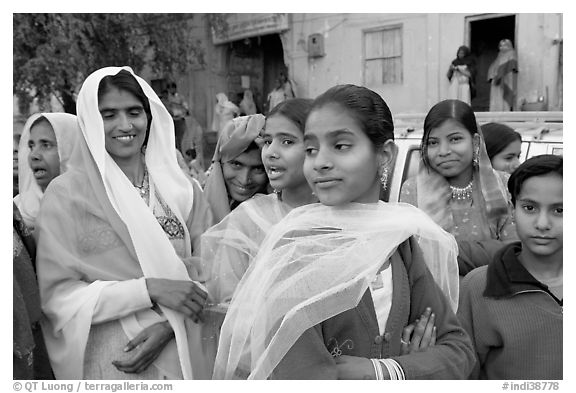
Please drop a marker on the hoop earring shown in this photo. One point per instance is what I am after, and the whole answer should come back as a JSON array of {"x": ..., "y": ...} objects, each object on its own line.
[{"x": 384, "y": 176}]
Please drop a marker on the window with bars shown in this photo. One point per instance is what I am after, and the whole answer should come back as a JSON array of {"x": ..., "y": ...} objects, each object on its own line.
[{"x": 383, "y": 56}]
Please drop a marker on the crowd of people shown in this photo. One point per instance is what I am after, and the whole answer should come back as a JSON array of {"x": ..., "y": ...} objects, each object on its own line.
[{"x": 285, "y": 263}]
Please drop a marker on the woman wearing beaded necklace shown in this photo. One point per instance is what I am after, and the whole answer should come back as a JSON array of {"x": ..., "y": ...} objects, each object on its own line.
[
  {"x": 457, "y": 186},
  {"x": 119, "y": 284}
]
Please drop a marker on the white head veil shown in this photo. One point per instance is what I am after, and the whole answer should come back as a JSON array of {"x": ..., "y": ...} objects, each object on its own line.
[
  {"x": 315, "y": 264},
  {"x": 66, "y": 131}
]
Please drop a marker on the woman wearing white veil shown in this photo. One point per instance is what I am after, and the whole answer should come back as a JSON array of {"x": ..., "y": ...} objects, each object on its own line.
[
  {"x": 66, "y": 132},
  {"x": 117, "y": 235}
]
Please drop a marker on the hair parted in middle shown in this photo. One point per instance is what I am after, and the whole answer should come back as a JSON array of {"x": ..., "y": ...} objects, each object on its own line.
[
  {"x": 366, "y": 106},
  {"x": 124, "y": 80},
  {"x": 456, "y": 110}
]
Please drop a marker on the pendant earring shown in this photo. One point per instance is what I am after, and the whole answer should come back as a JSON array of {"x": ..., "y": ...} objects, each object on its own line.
[
  {"x": 384, "y": 176},
  {"x": 475, "y": 160}
]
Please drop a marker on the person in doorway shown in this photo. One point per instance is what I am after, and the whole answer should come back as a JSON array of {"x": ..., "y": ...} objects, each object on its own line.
[
  {"x": 237, "y": 172},
  {"x": 503, "y": 145},
  {"x": 513, "y": 307},
  {"x": 457, "y": 186},
  {"x": 502, "y": 76},
  {"x": 462, "y": 76}
]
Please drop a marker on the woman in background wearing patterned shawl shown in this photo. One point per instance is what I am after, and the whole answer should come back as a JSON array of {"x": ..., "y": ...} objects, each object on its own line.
[
  {"x": 457, "y": 186},
  {"x": 502, "y": 76}
]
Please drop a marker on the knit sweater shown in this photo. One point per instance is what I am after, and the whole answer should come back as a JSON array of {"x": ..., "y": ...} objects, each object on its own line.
[{"x": 514, "y": 321}]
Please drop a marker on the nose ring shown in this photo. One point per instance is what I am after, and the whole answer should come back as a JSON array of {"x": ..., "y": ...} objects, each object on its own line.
[{"x": 130, "y": 126}]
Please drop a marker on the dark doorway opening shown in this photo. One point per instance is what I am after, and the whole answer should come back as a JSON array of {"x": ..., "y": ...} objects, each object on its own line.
[
  {"x": 485, "y": 34},
  {"x": 259, "y": 60}
]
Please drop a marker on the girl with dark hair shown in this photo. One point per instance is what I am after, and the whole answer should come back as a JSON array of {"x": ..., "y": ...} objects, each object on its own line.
[
  {"x": 503, "y": 146},
  {"x": 462, "y": 76},
  {"x": 119, "y": 284},
  {"x": 229, "y": 246},
  {"x": 513, "y": 308},
  {"x": 457, "y": 186},
  {"x": 334, "y": 283}
]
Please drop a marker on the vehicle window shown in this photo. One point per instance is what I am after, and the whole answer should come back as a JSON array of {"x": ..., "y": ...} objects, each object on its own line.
[{"x": 412, "y": 163}]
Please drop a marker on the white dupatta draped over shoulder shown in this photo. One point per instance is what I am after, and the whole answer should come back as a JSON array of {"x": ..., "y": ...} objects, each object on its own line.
[
  {"x": 138, "y": 246},
  {"x": 317, "y": 263}
]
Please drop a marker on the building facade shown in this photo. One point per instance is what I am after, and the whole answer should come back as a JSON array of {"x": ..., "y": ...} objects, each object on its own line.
[{"x": 404, "y": 57}]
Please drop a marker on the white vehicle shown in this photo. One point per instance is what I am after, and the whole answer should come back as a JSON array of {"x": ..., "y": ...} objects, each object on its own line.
[{"x": 541, "y": 134}]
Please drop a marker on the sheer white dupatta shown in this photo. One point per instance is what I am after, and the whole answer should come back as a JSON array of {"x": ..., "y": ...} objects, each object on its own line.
[{"x": 315, "y": 264}]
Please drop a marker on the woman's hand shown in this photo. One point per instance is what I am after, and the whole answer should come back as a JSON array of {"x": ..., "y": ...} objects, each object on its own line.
[
  {"x": 148, "y": 344},
  {"x": 183, "y": 296},
  {"x": 354, "y": 367},
  {"x": 420, "y": 335}
]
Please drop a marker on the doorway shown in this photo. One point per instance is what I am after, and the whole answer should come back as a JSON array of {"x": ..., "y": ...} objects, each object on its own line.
[
  {"x": 258, "y": 60},
  {"x": 485, "y": 33}
]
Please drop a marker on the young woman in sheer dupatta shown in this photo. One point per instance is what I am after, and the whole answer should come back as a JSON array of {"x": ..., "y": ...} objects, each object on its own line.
[
  {"x": 334, "y": 283},
  {"x": 457, "y": 186},
  {"x": 117, "y": 236},
  {"x": 45, "y": 148},
  {"x": 229, "y": 246}
]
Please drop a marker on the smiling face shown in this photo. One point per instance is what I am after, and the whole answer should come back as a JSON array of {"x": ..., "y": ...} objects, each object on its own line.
[
  {"x": 43, "y": 158},
  {"x": 244, "y": 175},
  {"x": 450, "y": 151},
  {"x": 509, "y": 158},
  {"x": 125, "y": 124},
  {"x": 538, "y": 214},
  {"x": 283, "y": 153},
  {"x": 341, "y": 163}
]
